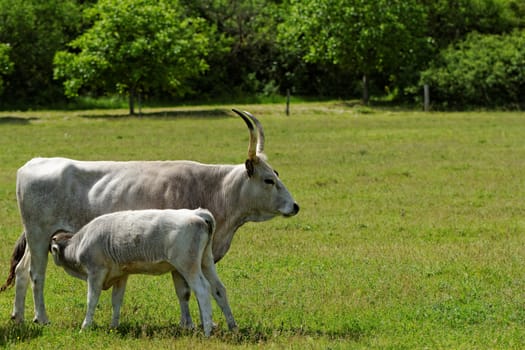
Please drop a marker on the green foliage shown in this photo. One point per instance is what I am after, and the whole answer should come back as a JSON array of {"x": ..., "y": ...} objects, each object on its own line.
[
  {"x": 247, "y": 49},
  {"x": 6, "y": 66},
  {"x": 356, "y": 35},
  {"x": 451, "y": 20},
  {"x": 34, "y": 30},
  {"x": 133, "y": 47},
  {"x": 245, "y": 58},
  {"x": 481, "y": 70}
]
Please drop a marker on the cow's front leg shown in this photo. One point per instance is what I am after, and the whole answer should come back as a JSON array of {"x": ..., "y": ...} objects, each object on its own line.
[
  {"x": 117, "y": 297},
  {"x": 217, "y": 289},
  {"x": 183, "y": 293},
  {"x": 201, "y": 287}
]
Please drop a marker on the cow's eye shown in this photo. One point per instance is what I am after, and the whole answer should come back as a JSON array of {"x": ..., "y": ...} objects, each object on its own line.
[{"x": 269, "y": 181}]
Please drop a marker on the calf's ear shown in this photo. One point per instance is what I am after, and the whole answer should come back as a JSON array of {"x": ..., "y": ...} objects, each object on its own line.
[{"x": 55, "y": 249}]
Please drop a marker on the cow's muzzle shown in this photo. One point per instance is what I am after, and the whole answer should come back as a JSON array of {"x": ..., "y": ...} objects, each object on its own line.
[{"x": 294, "y": 211}]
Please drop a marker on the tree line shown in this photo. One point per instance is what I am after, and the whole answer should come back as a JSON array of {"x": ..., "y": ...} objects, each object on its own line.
[{"x": 470, "y": 52}]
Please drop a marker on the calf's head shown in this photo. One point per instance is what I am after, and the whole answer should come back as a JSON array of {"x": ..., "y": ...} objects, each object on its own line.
[
  {"x": 59, "y": 242},
  {"x": 264, "y": 195}
]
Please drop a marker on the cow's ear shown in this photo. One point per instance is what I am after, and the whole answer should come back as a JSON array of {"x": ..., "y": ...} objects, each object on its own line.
[{"x": 250, "y": 169}]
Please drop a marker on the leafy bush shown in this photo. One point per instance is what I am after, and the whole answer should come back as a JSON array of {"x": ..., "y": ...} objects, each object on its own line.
[
  {"x": 482, "y": 70},
  {"x": 34, "y": 30},
  {"x": 6, "y": 66}
]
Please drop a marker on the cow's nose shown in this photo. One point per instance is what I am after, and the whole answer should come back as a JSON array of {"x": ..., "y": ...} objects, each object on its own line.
[{"x": 292, "y": 212}]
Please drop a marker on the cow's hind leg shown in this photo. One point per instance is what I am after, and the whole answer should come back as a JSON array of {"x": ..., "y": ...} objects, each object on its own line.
[
  {"x": 21, "y": 284},
  {"x": 183, "y": 293},
  {"x": 217, "y": 289}
]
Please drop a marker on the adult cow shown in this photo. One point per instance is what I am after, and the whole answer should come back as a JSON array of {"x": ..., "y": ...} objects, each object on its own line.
[{"x": 57, "y": 194}]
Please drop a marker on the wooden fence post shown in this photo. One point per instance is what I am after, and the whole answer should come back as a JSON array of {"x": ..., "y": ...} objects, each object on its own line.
[
  {"x": 287, "y": 102},
  {"x": 140, "y": 105},
  {"x": 426, "y": 93}
]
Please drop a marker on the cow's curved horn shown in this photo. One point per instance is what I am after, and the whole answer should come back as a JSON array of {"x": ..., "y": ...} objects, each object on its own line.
[
  {"x": 252, "y": 147},
  {"x": 260, "y": 132}
]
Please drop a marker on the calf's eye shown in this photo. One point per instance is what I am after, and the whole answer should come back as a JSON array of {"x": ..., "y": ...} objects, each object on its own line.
[{"x": 269, "y": 181}]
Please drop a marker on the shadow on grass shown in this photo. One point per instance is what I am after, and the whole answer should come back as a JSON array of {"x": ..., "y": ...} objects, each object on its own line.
[
  {"x": 260, "y": 334},
  {"x": 197, "y": 113},
  {"x": 256, "y": 334},
  {"x": 15, "y": 333},
  {"x": 16, "y": 120}
]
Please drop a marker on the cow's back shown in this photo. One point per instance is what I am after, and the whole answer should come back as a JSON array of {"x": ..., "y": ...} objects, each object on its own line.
[
  {"x": 64, "y": 194},
  {"x": 52, "y": 192}
]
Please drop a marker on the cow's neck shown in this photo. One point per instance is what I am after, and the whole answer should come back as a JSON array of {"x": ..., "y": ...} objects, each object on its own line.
[
  {"x": 217, "y": 188},
  {"x": 227, "y": 209}
]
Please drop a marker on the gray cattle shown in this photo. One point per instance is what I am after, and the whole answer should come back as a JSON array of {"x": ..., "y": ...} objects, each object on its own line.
[
  {"x": 57, "y": 194},
  {"x": 111, "y": 247}
]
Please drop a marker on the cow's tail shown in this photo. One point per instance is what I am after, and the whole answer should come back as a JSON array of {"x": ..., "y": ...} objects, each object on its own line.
[
  {"x": 18, "y": 253},
  {"x": 207, "y": 216}
]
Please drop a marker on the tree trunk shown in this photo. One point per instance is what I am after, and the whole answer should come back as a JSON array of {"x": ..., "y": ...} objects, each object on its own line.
[
  {"x": 365, "y": 89},
  {"x": 131, "y": 101}
]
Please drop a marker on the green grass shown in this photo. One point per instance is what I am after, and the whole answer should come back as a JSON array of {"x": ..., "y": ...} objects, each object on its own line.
[{"x": 410, "y": 235}]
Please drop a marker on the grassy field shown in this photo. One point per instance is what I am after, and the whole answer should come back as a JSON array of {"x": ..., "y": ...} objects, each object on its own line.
[{"x": 410, "y": 235}]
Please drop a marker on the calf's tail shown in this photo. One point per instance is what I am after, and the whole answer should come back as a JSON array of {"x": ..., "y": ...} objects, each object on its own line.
[
  {"x": 207, "y": 216},
  {"x": 18, "y": 253}
]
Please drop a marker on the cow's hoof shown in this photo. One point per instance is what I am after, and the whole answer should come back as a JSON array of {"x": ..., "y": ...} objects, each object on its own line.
[
  {"x": 44, "y": 321},
  {"x": 187, "y": 325},
  {"x": 17, "y": 318}
]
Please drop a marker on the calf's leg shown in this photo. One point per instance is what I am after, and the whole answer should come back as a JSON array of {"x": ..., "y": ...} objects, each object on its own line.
[
  {"x": 183, "y": 293},
  {"x": 117, "y": 296},
  {"x": 95, "y": 280}
]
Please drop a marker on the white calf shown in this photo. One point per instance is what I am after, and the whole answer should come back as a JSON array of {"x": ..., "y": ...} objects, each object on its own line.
[{"x": 111, "y": 247}]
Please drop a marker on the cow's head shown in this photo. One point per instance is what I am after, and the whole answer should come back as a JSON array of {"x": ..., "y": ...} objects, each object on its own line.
[{"x": 264, "y": 194}]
